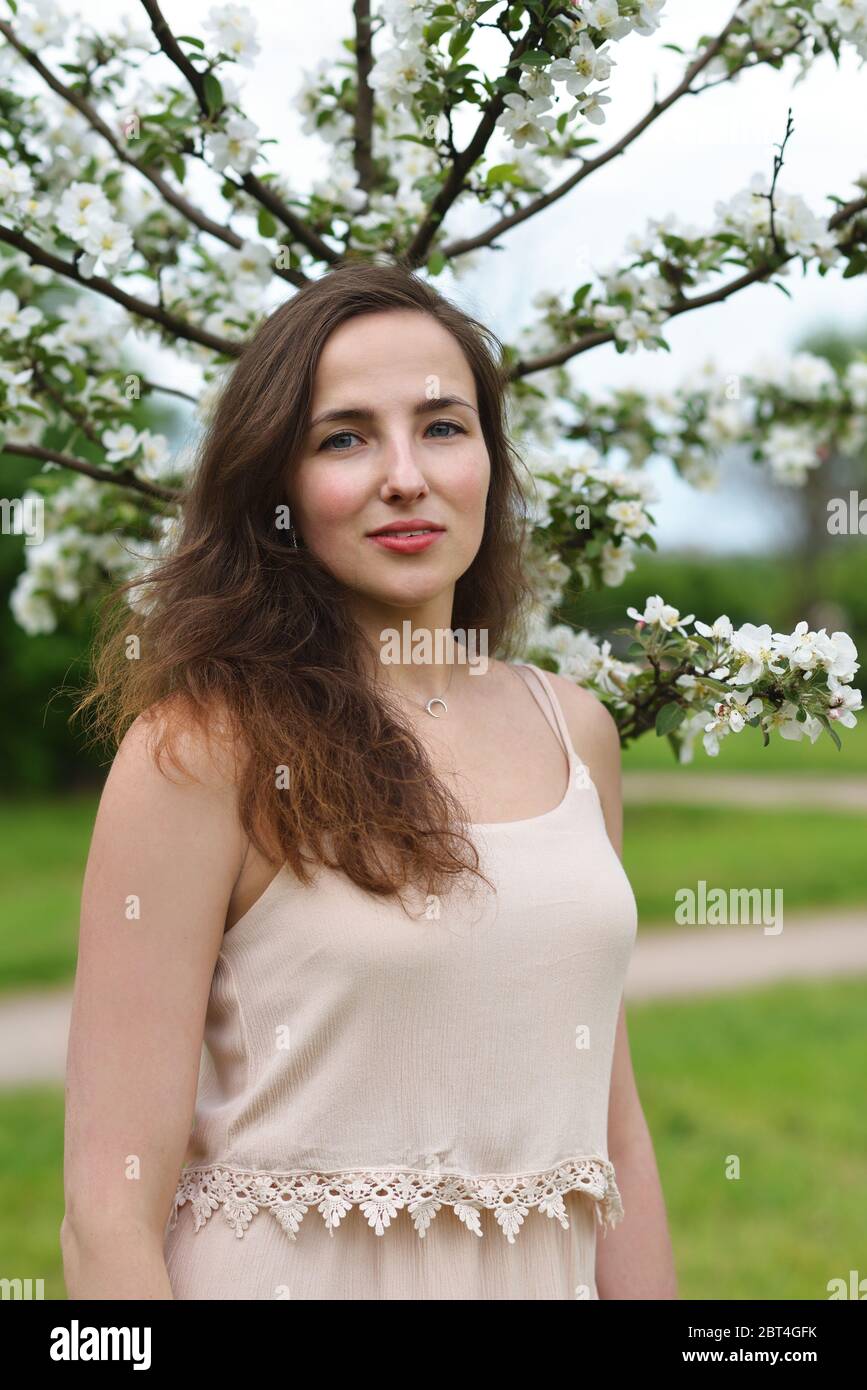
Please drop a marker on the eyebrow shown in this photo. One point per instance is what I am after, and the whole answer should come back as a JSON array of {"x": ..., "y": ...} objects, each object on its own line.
[{"x": 422, "y": 407}]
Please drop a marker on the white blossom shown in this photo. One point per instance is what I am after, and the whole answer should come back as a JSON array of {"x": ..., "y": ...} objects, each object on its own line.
[
  {"x": 730, "y": 716},
  {"x": 31, "y": 609},
  {"x": 855, "y": 382},
  {"x": 106, "y": 244},
  {"x": 844, "y": 702},
  {"x": 605, "y": 16},
  {"x": 660, "y": 614},
  {"x": 591, "y": 107},
  {"x": 155, "y": 455},
  {"x": 791, "y": 452},
  {"x": 615, "y": 563},
  {"x": 16, "y": 184},
  {"x": 756, "y": 646},
  {"x": 585, "y": 64},
  {"x": 629, "y": 517},
  {"x": 720, "y": 630},
  {"x": 16, "y": 323},
  {"x": 523, "y": 121},
  {"x": 121, "y": 443},
  {"x": 233, "y": 31},
  {"x": 235, "y": 147},
  {"x": 809, "y": 377},
  {"x": 40, "y": 24},
  {"x": 252, "y": 261},
  {"x": 398, "y": 74}
]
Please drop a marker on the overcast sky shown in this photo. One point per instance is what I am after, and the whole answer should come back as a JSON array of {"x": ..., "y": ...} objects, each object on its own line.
[{"x": 704, "y": 149}]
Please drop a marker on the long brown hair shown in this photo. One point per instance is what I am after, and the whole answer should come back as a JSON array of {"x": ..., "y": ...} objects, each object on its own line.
[{"x": 243, "y": 630}]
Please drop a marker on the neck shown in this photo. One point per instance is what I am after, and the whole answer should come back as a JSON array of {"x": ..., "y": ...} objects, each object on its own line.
[{"x": 413, "y": 656}]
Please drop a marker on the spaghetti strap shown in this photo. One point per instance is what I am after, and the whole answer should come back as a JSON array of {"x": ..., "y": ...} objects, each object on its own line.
[{"x": 559, "y": 723}]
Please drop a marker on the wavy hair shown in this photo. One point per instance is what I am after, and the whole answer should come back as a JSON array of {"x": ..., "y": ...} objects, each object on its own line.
[{"x": 243, "y": 633}]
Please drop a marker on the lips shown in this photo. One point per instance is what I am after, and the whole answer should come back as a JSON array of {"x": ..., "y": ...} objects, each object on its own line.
[
  {"x": 402, "y": 527},
  {"x": 403, "y": 544}
]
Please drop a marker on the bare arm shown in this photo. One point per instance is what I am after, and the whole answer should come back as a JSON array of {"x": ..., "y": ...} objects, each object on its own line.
[
  {"x": 165, "y": 854},
  {"x": 634, "y": 1260}
]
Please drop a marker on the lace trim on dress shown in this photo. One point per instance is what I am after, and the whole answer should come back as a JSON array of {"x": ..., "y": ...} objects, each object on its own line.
[{"x": 381, "y": 1193}]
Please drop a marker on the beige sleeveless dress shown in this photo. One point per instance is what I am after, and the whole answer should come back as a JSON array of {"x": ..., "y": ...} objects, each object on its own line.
[{"x": 415, "y": 1107}]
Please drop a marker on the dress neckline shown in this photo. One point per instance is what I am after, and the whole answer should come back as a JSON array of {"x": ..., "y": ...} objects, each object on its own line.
[{"x": 578, "y": 771}]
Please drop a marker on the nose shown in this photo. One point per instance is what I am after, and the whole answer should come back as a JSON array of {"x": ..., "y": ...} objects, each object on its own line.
[{"x": 402, "y": 472}]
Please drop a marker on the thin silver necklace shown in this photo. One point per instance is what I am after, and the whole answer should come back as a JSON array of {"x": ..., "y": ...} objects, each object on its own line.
[{"x": 436, "y": 700}]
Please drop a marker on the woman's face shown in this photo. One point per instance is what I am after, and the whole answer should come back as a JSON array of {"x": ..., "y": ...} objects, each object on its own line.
[{"x": 402, "y": 441}]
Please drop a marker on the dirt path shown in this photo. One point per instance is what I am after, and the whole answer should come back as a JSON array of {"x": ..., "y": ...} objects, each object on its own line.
[
  {"x": 666, "y": 964},
  {"x": 689, "y": 961},
  {"x": 745, "y": 789}
]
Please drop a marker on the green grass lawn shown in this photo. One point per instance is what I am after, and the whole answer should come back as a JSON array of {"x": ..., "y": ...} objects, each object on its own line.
[
  {"x": 817, "y": 859},
  {"x": 31, "y": 1186},
  {"x": 773, "y": 1077},
  {"x": 744, "y": 752},
  {"x": 43, "y": 849}
]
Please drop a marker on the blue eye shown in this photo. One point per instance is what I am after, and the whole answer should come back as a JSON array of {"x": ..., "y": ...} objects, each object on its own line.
[
  {"x": 342, "y": 435},
  {"x": 451, "y": 424},
  {"x": 350, "y": 434}
]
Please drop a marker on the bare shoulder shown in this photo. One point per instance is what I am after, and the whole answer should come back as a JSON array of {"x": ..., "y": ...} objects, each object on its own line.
[
  {"x": 592, "y": 726},
  {"x": 171, "y": 797},
  {"x": 166, "y": 741}
]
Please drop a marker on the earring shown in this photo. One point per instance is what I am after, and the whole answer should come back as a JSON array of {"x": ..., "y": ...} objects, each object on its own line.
[{"x": 294, "y": 538}]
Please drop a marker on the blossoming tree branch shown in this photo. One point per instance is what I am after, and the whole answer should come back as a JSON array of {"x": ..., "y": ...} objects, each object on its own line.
[{"x": 139, "y": 201}]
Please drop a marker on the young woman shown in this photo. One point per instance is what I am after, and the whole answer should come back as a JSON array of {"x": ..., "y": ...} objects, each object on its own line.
[{"x": 386, "y": 895}]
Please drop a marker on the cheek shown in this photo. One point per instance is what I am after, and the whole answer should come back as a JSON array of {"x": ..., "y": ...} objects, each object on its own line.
[
  {"x": 328, "y": 501},
  {"x": 468, "y": 485}
]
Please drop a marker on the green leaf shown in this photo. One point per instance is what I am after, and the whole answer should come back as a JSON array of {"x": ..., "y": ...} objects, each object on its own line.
[
  {"x": 537, "y": 59},
  {"x": 501, "y": 173},
  {"x": 188, "y": 38},
  {"x": 460, "y": 41},
  {"x": 177, "y": 165},
  {"x": 434, "y": 31},
  {"x": 436, "y": 263},
  {"x": 151, "y": 153},
  {"x": 826, "y": 723},
  {"x": 213, "y": 93},
  {"x": 669, "y": 717},
  {"x": 266, "y": 223}
]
